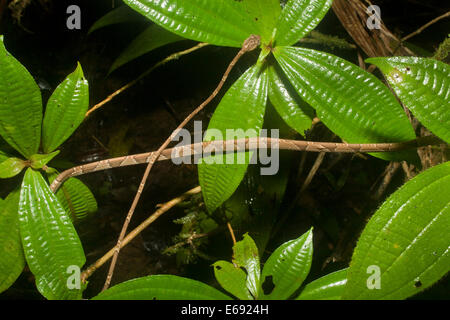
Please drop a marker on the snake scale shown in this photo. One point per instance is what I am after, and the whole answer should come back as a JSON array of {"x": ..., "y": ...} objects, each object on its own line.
[{"x": 239, "y": 145}]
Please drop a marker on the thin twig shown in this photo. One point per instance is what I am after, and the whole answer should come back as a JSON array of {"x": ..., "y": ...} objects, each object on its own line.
[
  {"x": 412, "y": 34},
  {"x": 408, "y": 172},
  {"x": 249, "y": 44},
  {"x": 173, "y": 56},
  {"x": 311, "y": 174},
  {"x": 387, "y": 175},
  {"x": 162, "y": 209},
  {"x": 230, "y": 229},
  {"x": 297, "y": 197}
]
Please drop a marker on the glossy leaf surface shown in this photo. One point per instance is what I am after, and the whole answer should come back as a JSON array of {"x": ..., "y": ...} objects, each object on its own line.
[
  {"x": 329, "y": 287},
  {"x": 220, "y": 175},
  {"x": 224, "y": 23},
  {"x": 288, "y": 266},
  {"x": 20, "y": 105},
  {"x": 11, "y": 167},
  {"x": 233, "y": 279},
  {"x": 161, "y": 287},
  {"x": 349, "y": 101},
  {"x": 423, "y": 85},
  {"x": 76, "y": 198},
  {"x": 298, "y": 18},
  {"x": 297, "y": 116},
  {"x": 12, "y": 259},
  {"x": 265, "y": 15},
  {"x": 49, "y": 239},
  {"x": 246, "y": 255},
  {"x": 65, "y": 110},
  {"x": 405, "y": 246}
]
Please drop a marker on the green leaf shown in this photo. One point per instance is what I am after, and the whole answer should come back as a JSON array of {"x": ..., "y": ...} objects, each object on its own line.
[
  {"x": 297, "y": 116},
  {"x": 246, "y": 255},
  {"x": 20, "y": 105},
  {"x": 288, "y": 266},
  {"x": 76, "y": 198},
  {"x": 329, "y": 287},
  {"x": 247, "y": 96},
  {"x": 118, "y": 15},
  {"x": 39, "y": 160},
  {"x": 49, "y": 239},
  {"x": 351, "y": 102},
  {"x": 11, "y": 167},
  {"x": 161, "y": 287},
  {"x": 12, "y": 260},
  {"x": 233, "y": 279},
  {"x": 65, "y": 110},
  {"x": 265, "y": 14},
  {"x": 298, "y": 18},
  {"x": 405, "y": 245},
  {"x": 423, "y": 85},
  {"x": 151, "y": 38},
  {"x": 222, "y": 23}
]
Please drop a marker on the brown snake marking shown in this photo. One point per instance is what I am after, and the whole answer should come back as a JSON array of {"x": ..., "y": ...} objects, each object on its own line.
[{"x": 239, "y": 146}]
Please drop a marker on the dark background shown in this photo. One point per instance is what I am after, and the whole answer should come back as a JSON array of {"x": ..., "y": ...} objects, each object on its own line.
[{"x": 42, "y": 43}]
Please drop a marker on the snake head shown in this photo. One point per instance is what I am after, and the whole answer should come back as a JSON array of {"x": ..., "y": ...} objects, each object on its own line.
[{"x": 251, "y": 43}]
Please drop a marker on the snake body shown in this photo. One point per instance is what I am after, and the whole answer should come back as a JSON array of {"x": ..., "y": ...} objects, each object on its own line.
[{"x": 239, "y": 145}]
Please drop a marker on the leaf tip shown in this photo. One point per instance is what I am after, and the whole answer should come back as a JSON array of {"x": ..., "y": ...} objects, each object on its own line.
[
  {"x": 380, "y": 62},
  {"x": 79, "y": 70}
]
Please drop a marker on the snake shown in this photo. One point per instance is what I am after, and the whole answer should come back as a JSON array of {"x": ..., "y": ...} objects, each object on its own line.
[{"x": 239, "y": 145}]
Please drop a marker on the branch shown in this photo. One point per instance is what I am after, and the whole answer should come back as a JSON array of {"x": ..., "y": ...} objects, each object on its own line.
[{"x": 445, "y": 15}]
